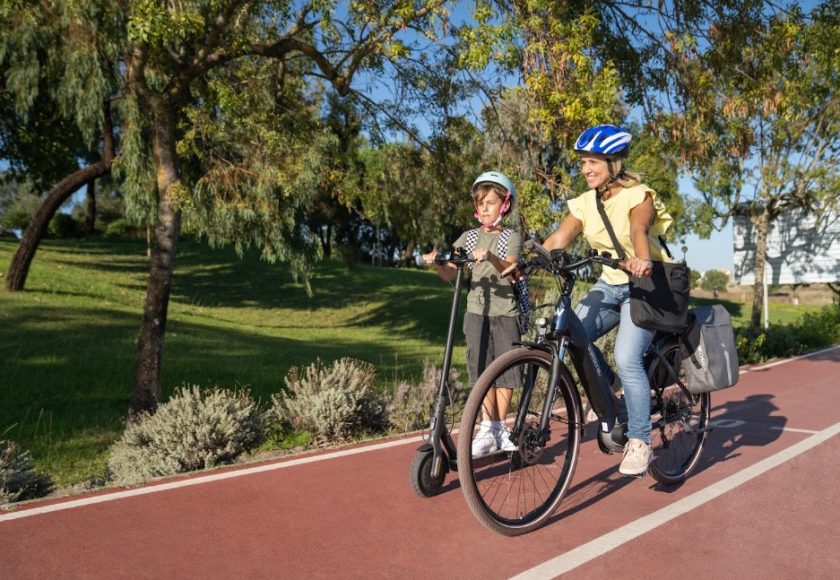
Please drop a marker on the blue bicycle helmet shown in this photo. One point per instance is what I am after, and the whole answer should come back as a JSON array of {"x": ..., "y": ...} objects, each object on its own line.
[{"x": 604, "y": 140}]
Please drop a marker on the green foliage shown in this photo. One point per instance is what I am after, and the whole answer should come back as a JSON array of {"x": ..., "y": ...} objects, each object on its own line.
[
  {"x": 714, "y": 280},
  {"x": 332, "y": 402},
  {"x": 195, "y": 429},
  {"x": 18, "y": 478},
  {"x": 63, "y": 225},
  {"x": 814, "y": 330},
  {"x": 695, "y": 278}
]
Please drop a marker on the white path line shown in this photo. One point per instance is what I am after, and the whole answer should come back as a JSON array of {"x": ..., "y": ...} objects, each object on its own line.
[
  {"x": 600, "y": 546},
  {"x": 794, "y": 430},
  {"x": 25, "y": 513},
  {"x": 106, "y": 497}
]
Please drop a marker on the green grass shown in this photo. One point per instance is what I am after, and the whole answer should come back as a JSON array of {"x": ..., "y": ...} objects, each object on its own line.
[
  {"x": 780, "y": 313},
  {"x": 68, "y": 342}
]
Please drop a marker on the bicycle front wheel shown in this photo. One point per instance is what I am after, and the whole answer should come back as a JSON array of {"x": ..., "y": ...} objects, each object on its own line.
[
  {"x": 514, "y": 492},
  {"x": 679, "y": 421}
]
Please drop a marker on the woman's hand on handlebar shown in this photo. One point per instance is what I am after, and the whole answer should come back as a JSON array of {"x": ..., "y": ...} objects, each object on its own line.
[{"x": 639, "y": 267}]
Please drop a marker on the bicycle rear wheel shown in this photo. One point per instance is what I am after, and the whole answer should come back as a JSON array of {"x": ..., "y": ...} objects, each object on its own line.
[
  {"x": 513, "y": 493},
  {"x": 679, "y": 421}
]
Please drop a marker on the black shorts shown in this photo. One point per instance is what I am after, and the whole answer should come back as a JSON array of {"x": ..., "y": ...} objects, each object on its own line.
[{"x": 489, "y": 337}]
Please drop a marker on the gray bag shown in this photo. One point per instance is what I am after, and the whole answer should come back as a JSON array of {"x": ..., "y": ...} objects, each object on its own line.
[{"x": 710, "y": 360}]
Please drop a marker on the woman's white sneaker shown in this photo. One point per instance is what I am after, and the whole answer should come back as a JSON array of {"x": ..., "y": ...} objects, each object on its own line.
[{"x": 637, "y": 457}]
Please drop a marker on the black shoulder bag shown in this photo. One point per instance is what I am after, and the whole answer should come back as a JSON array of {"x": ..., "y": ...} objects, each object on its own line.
[{"x": 661, "y": 301}]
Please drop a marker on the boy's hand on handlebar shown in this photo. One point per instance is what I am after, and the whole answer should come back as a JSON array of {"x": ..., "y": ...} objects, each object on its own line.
[{"x": 430, "y": 257}]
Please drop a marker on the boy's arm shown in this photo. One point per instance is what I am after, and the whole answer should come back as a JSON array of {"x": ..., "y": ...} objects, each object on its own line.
[{"x": 447, "y": 272}]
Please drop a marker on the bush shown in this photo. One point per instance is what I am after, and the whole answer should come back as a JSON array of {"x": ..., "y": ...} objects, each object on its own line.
[
  {"x": 18, "y": 478},
  {"x": 332, "y": 403},
  {"x": 814, "y": 330},
  {"x": 122, "y": 228},
  {"x": 195, "y": 429},
  {"x": 16, "y": 220},
  {"x": 410, "y": 406},
  {"x": 63, "y": 225}
]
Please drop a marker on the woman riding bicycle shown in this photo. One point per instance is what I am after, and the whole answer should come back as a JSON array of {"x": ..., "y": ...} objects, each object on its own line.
[{"x": 638, "y": 218}]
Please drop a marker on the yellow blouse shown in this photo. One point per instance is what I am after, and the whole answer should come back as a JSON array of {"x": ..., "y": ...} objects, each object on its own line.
[{"x": 618, "y": 208}]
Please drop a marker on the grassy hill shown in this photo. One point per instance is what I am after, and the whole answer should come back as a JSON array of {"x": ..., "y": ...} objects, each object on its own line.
[{"x": 67, "y": 343}]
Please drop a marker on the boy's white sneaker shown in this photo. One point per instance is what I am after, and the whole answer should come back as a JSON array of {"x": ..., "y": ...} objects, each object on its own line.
[
  {"x": 484, "y": 443},
  {"x": 504, "y": 442},
  {"x": 637, "y": 457}
]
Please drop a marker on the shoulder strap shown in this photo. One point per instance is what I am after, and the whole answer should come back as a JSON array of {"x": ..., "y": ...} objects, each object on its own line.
[
  {"x": 502, "y": 244},
  {"x": 470, "y": 244},
  {"x": 600, "y": 205}
]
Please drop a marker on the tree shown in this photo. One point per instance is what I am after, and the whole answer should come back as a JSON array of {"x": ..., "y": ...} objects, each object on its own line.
[
  {"x": 714, "y": 280},
  {"x": 215, "y": 113},
  {"x": 759, "y": 116},
  {"x": 39, "y": 139}
]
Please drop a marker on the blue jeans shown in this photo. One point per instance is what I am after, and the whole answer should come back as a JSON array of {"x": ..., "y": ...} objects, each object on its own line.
[{"x": 604, "y": 307}]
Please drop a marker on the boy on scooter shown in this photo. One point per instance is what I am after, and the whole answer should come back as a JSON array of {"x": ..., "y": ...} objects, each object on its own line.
[{"x": 491, "y": 323}]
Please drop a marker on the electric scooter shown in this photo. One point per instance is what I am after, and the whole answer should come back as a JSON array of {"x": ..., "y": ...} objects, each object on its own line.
[{"x": 437, "y": 455}]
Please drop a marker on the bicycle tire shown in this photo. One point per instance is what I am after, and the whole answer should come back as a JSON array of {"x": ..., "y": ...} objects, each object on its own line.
[
  {"x": 512, "y": 493},
  {"x": 680, "y": 427}
]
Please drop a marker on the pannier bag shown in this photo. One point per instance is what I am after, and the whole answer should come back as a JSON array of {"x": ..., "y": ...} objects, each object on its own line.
[{"x": 710, "y": 360}]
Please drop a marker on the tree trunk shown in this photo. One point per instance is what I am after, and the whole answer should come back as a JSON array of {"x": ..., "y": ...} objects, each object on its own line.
[
  {"x": 146, "y": 391},
  {"x": 762, "y": 223},
  {"x": 34, "y": 232},
  {"x": 90, "y": 213},
  {"x": 327, "y": 243}
]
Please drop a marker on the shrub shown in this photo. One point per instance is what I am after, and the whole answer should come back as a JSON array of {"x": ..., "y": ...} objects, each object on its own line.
[
  {"x": 410, "y": 406},
  {"x": 18, "y": 478},
  {"x": 122, "y": 228},
  {"x": 63, "y": 225},
  {"x": 195, "y": 429},
  {"x": 814, "y": 330},
  {"x": 332, "y": 403}
]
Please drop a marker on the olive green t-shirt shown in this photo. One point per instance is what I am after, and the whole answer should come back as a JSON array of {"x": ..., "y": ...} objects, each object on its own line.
[{"x": 490, "y": 293}]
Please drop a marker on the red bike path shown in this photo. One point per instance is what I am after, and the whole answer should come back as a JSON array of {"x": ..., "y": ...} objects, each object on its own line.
[{"x": 763, "y": 502}]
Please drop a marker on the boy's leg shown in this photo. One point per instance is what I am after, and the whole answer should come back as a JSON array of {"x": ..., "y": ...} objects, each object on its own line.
[{"x": 477, "y": 333}]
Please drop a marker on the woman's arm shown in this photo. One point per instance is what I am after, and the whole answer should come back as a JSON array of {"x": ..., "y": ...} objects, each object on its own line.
[
  {"x": 561, "y": 239},
  {"x": 641, "y": 218}
]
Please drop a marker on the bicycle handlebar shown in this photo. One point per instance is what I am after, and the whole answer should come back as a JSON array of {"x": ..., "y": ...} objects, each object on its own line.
[
  {"x": 456, "y": 257},
  {"x": 559, "y": 262}
]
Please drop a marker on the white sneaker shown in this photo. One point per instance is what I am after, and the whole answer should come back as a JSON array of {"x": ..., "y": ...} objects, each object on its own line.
[
  {"x": 637, "y": 457},
  {"x": 484, "y": 443},
  {"x": 504, "y": 442}
]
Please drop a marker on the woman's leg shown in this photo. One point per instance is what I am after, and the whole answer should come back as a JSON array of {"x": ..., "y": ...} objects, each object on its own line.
[
  {"x": 599, "y": 310},
  {"x": 630, "y": 346}
]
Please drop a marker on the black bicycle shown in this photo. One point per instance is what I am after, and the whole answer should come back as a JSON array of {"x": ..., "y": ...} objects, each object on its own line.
[{"x": 513, "y": 493}]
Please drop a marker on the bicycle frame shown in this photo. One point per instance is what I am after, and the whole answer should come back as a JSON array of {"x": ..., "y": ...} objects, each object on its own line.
[{"x": 567, "y": 335}]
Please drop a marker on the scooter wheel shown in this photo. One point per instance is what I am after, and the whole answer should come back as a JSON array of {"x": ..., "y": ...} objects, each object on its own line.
[{"x": 420, "y": 476}]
